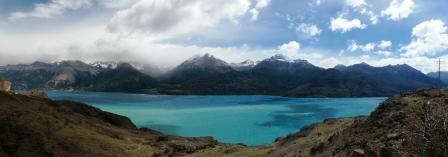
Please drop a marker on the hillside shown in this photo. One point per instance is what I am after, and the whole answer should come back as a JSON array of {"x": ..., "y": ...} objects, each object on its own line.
[
  {"x": 400, "y": 77},
  {"x": 33, "y": 126},
  {"x": 402, "y": 126},
  {"x": 77, "y": 75},
  {"x": 443, "y": 76},
  {"x": 123, "y": 78}
]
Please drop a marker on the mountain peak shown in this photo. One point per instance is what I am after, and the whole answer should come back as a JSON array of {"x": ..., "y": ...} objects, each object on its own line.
[
  {"x": 199, "y": 57},
  {"x": 279, "y": 57},
  {"x": 39, "y": 63},
  {"x": 248, "y": 62},
  {"x": 340, "y": 66},
  {"x": 404, "y": 66},
  {"x": 245, "y": 65},
  {"x": 104, "y": 64},
  {"x": 362, "y": 65},
  {"x": 204, "y": 62},
  {"x": 124, "y": 66}
]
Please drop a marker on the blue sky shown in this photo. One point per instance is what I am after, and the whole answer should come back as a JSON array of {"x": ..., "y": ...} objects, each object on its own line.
[{"x": 166, "y": 32}]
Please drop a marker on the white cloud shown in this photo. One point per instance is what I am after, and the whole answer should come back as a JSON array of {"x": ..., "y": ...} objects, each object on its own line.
[
  {"x": 344, "y": 25},
  {"x": 384, "y": 44},
  {"x": 397, "y": 11},
  {"x": 259, "y": 5},
  {"x": 353, "y": 46},
  {"x": 355, "y": 3},
  {"x": 53, "y": 8},
  {"x": 429, "y": 38},
  {"x": 169, "y": 17},
  {"x": 380, "y": 48},
  {"x": 369, "y": 47},
  {"x": 374, "y": 19},
  {"x": 116, "y": 3},
  {"x": 384, "y": 53},
  {"x": 309, "y": 30},
  {"x": 290, "y": 49},
  {"x": 318, "y": 2}
]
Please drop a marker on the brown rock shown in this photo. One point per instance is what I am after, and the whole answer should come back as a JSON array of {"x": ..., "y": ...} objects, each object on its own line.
[
  {"x": 429, "y": 92},
  {"x": 389, "y": 152},
  {"x": 5, "y": 85},
  {"x": 358, "y": 153},
  {"x": 37, "y": 93},
  {"x": 369, "y": 152}
]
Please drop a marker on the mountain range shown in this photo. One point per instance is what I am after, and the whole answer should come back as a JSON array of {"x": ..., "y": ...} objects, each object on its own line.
[
  {"x": 443, "y": 76},
  {"x": 208, "y": 75}
]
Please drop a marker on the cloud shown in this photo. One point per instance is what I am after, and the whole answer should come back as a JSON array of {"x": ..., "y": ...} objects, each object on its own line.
[
  {"x": 429, "y": 38},
  {"x": 344, "y": 25},
  {"x": 362, "y": 7},
  {"x": 369, "y": 47},
  {"x": 116, "y": 3},
  {"x": 397, "y": 11},
  {"x": 384, "y": 44},
  {"x": 160, "y": 18},
  {"x": 384, "y": 53},
  {"x": 51, "y": 9},
  {"x": 309, "y": 30},
  {"x": 290, "y": 49},
  {"x": 315, "y": 3},
  {"x": 355, "y": 3},
  {"x": 374, "y": 18},
  {"x": 381, "y": 48},
  {"x": 259, "y": 5}
]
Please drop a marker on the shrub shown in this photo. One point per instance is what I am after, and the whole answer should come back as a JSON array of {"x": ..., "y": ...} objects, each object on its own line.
[{"x": 427, "y": 127}]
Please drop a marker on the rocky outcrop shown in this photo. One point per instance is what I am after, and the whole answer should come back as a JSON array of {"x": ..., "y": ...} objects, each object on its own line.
[
  {"x": 37, "y": 93},
  {"x": 5, "y": 85}
]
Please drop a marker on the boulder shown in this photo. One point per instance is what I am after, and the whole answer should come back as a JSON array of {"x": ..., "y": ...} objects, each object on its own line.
[
  {"x": 37, "y": 93},
  {"x": 392, "y": 136},
  {"x": 358, "y": 153},
  {"x": 5, "y": 85},
  {"x": 369, "y": 152},
  {"x": 389, "y": 152}
]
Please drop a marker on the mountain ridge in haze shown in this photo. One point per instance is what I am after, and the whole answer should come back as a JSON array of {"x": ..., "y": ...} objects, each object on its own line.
[{"x": 208, "y": 75}]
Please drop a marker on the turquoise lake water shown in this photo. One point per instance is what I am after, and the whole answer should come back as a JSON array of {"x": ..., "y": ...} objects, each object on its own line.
[{"x": 251, "y": 120}]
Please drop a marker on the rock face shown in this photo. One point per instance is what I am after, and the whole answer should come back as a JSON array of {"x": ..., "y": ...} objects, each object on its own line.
[{"x": 5, "y": 85}]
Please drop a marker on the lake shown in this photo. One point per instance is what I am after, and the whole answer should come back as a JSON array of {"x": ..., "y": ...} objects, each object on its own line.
[{"x": 251, "y": 120}]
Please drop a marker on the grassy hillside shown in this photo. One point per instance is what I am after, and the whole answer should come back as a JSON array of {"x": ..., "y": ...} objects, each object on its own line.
[
  {"x": 405, "y": 125},
  {"x": 32, "y": 126}
]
